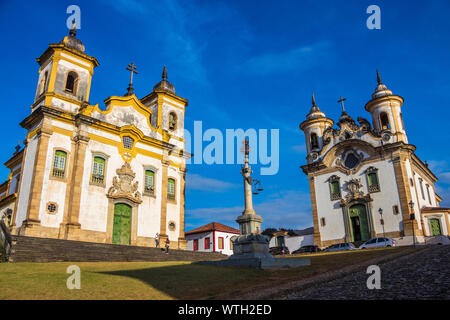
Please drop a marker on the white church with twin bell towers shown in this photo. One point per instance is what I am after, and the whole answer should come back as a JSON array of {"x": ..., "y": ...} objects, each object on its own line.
[
  {"x": 366, "y": 180},
  {"x": 113, "y": 174}
]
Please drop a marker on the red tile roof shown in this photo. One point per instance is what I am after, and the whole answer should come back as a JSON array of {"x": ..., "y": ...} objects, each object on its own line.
[{"x": 214, "y": 226}]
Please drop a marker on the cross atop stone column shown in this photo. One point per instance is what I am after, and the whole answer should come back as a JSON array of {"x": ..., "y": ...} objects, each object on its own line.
[{"x": 132, "y": 68}]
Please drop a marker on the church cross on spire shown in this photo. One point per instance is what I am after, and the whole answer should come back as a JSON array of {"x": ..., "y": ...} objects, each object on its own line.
[
  {"x": 132, "y": 68},
  {"x": 342, "y": 103}
]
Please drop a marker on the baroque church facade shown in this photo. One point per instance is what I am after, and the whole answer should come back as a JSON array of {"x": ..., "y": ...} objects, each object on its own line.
[
  {"x": 366, "y": 180},
  {"x": 107, "y": 175}
]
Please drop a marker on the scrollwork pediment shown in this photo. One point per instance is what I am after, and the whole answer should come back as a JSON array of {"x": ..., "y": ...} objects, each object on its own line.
[{"x": 123, "y": 185}]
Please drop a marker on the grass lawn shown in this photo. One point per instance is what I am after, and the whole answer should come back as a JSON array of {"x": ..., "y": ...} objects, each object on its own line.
[{"x": 160, "y": 280}]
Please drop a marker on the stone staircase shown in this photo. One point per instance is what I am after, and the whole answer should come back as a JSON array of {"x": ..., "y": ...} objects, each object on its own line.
[{"x": 31, "y": 249}]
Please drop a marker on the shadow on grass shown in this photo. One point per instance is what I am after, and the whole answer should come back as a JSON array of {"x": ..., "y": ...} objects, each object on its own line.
[{"x": 191, "y": 280}]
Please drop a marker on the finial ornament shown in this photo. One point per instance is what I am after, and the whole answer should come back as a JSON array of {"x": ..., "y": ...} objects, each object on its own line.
[
  {"x": 132, "y": 68},
  {"x": 313, "y": 100},
  {"x": 73, "y": 30},
  {"x": 378, "y": 77},
  {"x": 164, "y": 73}
]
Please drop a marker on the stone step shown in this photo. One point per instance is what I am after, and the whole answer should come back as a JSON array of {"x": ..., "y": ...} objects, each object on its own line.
[{"x": 33, "y": 249}]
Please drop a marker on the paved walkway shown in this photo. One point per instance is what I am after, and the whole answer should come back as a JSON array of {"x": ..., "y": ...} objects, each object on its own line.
[{"x": 423, "y": 275}]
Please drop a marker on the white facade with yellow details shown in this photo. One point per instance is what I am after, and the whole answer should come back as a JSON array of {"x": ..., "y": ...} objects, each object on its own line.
[
  {"x": 109, "y": 175},
  {"x": 366, "y": 180}
]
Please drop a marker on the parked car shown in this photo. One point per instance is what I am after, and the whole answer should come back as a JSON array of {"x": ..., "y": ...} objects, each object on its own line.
[
  {"x": 279, "y": 250},
  {"x": 341, "y": 247},
  {"x": 309, "y": 249},
  {"x": 380, "y": 242}
]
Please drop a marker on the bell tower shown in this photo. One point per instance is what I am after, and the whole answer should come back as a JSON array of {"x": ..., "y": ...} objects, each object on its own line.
[
  {"x": 314, "y": 126},
  {"x": 65, "y": 74},
  {"x": 385, "y": 109}
]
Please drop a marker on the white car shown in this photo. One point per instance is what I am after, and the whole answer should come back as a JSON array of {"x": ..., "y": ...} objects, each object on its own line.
[{"x": 378, "y": 243}]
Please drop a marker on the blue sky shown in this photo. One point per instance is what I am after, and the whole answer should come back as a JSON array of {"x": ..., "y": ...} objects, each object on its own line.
[{"x": 247, "y": 64}]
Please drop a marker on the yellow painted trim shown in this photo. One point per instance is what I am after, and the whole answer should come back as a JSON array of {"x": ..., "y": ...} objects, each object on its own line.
[
  {"x": 52, "y": 79},
  {"x": 62, "y": 131},
  {"x": 116, "y": 101},
  {"x": 119, "y": 145},
  {"x": 32, "y": 133},
  {"x": 73, "y": 56}
]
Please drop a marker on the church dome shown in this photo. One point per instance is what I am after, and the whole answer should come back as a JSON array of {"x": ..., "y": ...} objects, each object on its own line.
[
  {"x": 71, "y": 42},
  {"x": 315, "y": 111},
  {"x": 164, "y": 84},
  {"x": 381, "y": 90}
]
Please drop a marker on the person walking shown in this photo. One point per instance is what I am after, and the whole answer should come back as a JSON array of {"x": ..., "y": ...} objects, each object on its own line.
[
  {"x": 167, "y": 246},
  {"x": 157, "y": 240}
]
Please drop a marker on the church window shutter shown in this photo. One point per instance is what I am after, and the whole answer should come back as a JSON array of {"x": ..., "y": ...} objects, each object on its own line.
[
  {"x": 335, "y": 188},
  {"x": 172, "y": 121},
  {"x": 221, "y": 243},
  {"x": 149, "y": 182},
  {"x": 372, "y": 179},
  {"x": 98, "y": 170},
  {"x": 171, "y": 189},
  {"x": 59, "y": 163},
  {"x": 128, "y": 142}
]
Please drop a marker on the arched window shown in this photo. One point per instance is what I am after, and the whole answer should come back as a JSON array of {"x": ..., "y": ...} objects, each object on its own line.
[
  {"x": 59, "y": 164},
  {"x": 384, "y": 121},
  {"x": 172, "y": 121},
  {"x": 98, "y": 170},
  {"x": 149, "y": 183},
  {"x": 43, "y": 84},
  {"x": 72, "y": 82},
  {"x": 171, "y": 189},
  {"x": 314, "y": 141}
]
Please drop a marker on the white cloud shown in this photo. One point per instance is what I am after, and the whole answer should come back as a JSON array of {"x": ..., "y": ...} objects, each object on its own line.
[
  {"x": 197, "y": 182},
  {"x": 299, "y": 58}
]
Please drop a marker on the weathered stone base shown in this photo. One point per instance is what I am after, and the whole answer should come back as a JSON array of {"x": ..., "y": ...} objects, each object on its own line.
[
  {"x": 252, "y": 250},
  {"x": 75, "y": 233}
]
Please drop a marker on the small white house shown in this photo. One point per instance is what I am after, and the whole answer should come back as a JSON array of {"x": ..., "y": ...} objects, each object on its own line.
[
  {"x": 213, "y": 237},
  {"x": 293, "y": 240}
]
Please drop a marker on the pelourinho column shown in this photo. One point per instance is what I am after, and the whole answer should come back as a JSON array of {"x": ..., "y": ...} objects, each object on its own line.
[{"x": 249, "y": 221}]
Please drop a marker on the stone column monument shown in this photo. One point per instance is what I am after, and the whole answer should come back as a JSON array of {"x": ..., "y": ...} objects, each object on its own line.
[
  {"x": 251, "y": 248},
  {"x": 250, "y": 244}
]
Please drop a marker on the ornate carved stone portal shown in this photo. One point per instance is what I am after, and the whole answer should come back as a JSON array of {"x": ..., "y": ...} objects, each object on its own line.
[{"x": 123, "y": 186}]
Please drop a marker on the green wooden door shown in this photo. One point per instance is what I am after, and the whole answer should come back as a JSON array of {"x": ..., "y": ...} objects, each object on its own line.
[
  {"x": 359, "y": 223},
  {"x": 435, "y": 226},
  {"x": 122, "y": 224}
]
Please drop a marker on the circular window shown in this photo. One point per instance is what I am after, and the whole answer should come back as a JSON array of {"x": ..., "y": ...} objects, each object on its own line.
[
  {"x": 172, "y": 226},
  {"x": 52, "y": 207}
]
